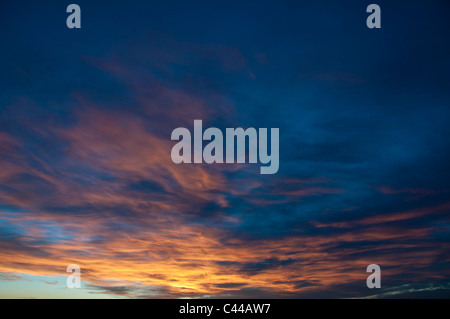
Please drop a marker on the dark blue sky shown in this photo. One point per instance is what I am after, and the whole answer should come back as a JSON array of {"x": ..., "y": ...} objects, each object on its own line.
[{"x": 85, "y": 122}]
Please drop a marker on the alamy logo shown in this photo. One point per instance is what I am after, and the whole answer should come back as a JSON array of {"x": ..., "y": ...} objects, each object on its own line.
[
  {"x": 74, "y": 19},
  {"x": 213, "y": 151},
  {"x": 374, "y": 280},
  {"x": 74, "y": 280}
]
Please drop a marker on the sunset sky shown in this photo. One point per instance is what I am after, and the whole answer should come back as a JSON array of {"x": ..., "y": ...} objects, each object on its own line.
[{"x": 86, "y": 175}]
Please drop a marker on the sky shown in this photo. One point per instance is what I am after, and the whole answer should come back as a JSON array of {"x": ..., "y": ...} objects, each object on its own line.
[{"x": 86, "y": 175}]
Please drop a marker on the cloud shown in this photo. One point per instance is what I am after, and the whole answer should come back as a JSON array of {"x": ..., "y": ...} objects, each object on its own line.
[
  {"x": 87, "y": 178},
  {"x": 11, "y": 277},
  {"x": 50, "y": 282}
]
